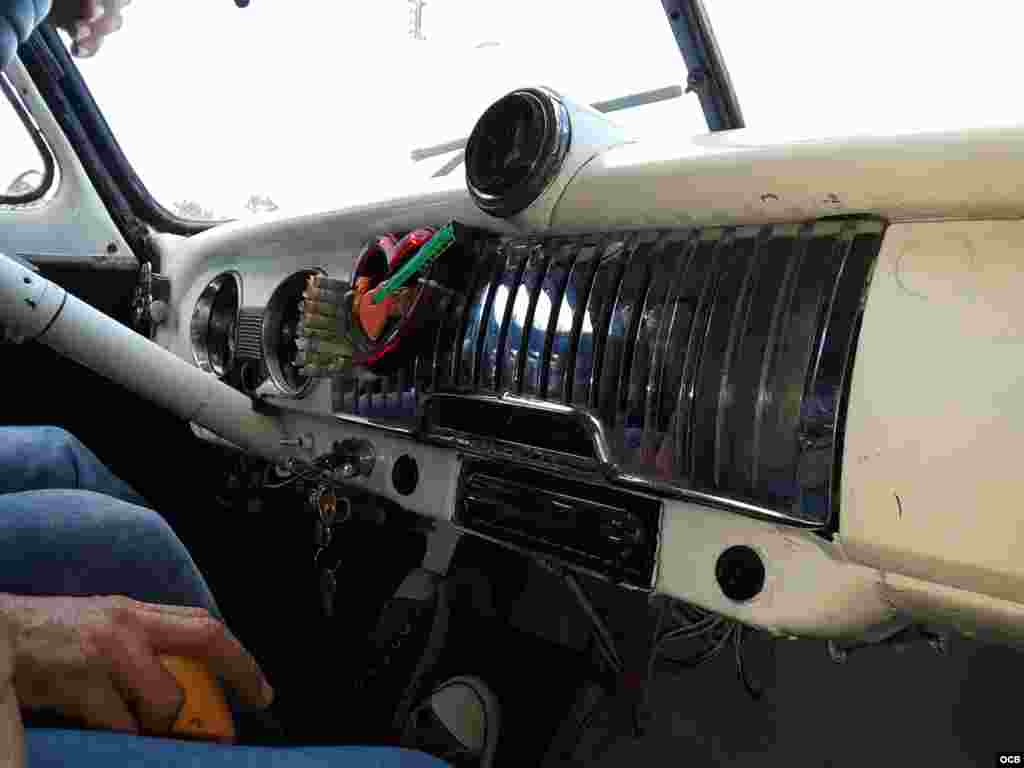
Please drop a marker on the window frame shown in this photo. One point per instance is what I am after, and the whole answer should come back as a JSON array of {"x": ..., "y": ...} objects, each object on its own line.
[
  {"x": 61, "y": 85},
  {"x": 49, "y": 163}
]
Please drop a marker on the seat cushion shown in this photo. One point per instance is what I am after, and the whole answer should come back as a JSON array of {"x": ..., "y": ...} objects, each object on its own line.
[{"x": 46, "y": 747}]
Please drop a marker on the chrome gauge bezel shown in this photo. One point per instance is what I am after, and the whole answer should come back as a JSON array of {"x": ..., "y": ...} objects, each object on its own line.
[
  {"x": 202, "y": 316},
  {"x": 553, "y": 127},
  {"x": 288, "y": 291}
]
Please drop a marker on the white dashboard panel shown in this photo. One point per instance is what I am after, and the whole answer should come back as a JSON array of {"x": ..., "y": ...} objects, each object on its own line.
[
  {"x": 932, "y": 478},
  {"x": 434, "y": 496},
  {"x": 810, "y": 589},
  {"x": 933, "y": 415}
]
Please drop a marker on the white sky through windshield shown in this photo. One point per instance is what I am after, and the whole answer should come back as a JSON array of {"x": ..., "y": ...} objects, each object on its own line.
[{"x": 319, "y": 108}]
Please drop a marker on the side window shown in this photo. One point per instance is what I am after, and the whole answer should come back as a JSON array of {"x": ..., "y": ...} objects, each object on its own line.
[{"x": 26, "y": 166}]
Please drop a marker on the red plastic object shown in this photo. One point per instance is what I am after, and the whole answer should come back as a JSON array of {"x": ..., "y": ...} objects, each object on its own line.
[{"x": 408, "y": 246}]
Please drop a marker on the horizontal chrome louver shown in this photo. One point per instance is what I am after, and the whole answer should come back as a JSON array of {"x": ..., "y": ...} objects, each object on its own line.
[
  {"x": 250, "y": 324},
  {"x": 714, "y": 359}
]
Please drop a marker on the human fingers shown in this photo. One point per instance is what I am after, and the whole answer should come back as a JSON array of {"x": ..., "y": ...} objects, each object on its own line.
[
  {"x": 210, "y": 641},
  {"x": 109, "y": 22},
  {"x": 145, "y": 685},
  {"x": 66, "y": 13},
  {"x": 100, "y": 705},
  {"x": 86, "y": 48},
  {"x": 100, "y": 19},
  {"x": 177, "y": 610}
]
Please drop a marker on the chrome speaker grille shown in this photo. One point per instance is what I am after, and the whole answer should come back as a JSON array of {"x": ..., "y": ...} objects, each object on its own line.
[
  {"x": 714, "y": 360},
  {"x": 250, "y": 324}
]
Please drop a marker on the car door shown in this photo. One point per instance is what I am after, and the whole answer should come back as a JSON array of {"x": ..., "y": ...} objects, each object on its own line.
[{"x": 64, "y": 211}]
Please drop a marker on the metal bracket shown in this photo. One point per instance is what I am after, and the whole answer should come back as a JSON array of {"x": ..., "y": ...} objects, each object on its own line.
[
  {"x": 707, "y": 75},
  {"x": 150, "y": 304}
]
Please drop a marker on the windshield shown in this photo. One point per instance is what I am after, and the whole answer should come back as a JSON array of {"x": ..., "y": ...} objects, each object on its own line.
[
  {"x": 828, "y": 69},
  {"x": 226, "y": 111}
]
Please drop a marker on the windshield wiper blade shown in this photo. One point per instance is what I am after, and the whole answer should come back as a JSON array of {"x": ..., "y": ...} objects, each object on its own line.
[
  {"x": 617, "y": 104},
  {"x": 706, "y": 72}
]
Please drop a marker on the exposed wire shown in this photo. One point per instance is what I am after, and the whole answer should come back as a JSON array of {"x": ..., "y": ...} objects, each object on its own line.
[
  {"x": 707, "y": 655},
  {"x": 605, "y": 641},
  {"x": 308, "y": 474},
  {"x": 655, "y": 644},
  {"x": 695, "y": 630},
  {"x": 756, "y": 692}
]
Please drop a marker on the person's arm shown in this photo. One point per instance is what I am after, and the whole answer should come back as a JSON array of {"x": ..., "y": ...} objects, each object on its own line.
[
  {"x": 86, "y": 21},
  {"x": 96, "y": 659},
  {"x": 12, "y": 733}
]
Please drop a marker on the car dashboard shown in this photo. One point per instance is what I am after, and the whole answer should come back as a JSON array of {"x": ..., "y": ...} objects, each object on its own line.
[{"x": 677, "y": 400}]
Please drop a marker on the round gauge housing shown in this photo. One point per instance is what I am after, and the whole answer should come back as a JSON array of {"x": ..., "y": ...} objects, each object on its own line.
[
  {"x": 423, "y": 303},
  {"x": 280, "y": 329},
  {"x": 516, "y": 150},
  {"x": 214, "y": 324}
]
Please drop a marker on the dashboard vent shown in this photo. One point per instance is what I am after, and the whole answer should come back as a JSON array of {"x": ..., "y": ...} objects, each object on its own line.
[
  {"x": 713, "y": 360},
  {"x": 250, "y": 325}
]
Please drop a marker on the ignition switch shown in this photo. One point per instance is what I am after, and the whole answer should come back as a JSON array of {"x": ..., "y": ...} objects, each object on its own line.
[{"x": 353, "y": 457}]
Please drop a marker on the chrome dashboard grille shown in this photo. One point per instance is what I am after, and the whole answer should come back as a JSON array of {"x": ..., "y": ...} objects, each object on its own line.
[
  {"x": 250, "y": 333},
  {"x": 714, "y": 360}
]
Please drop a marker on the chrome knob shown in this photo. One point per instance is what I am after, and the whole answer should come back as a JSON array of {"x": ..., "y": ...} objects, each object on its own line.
[{"x": 355, "y": 457}]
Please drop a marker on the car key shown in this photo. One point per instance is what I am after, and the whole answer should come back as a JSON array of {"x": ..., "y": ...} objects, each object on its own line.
[{"x": 325, "y": 505}]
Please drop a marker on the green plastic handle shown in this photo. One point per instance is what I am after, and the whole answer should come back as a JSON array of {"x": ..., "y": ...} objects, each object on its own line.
[{"x": 433, "y": 248}]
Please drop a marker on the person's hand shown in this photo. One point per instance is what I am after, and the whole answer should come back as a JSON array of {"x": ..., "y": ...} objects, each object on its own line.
[
  {"x": 87, "y": 22},
  {"x": 94, "y": 659}
]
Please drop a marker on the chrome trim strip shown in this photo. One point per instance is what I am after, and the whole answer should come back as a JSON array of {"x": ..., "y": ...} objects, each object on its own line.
[
  {"x": 579, "y": 284},
  {"x": 366, "y": 421},
  {"x": 612, "y": 311},
  {"x": 677, "y": 266},
  {"x": 518, "y": 351},
  {"x": 547, "y": 318},
  {"x": 628, "y": 313},
  {"x": 478, "y": 311},
  {"x": 746, "y": 252},
  {"x": 604, "y": 284},
  {"x": 710, "y": 500},
  {"x": 802, "y": 235},
  {"x": 507, "y": 292},
  {"x": 680, "y": 426}
]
